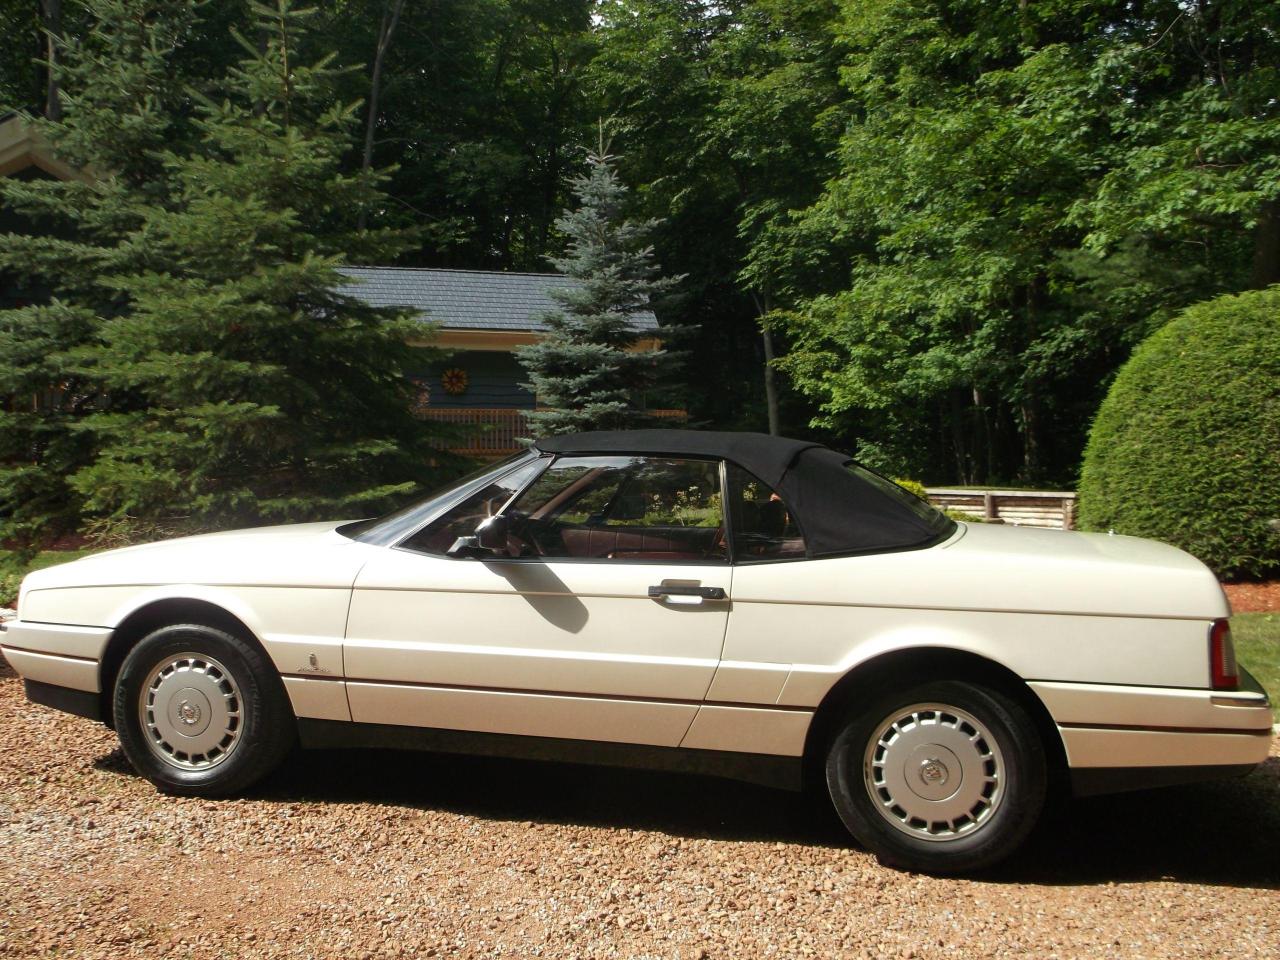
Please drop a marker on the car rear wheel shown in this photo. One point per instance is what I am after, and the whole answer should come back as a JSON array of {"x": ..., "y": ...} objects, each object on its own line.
[
  {"x": 947, "y": 777},
  {"x": 201, "y": 712}
]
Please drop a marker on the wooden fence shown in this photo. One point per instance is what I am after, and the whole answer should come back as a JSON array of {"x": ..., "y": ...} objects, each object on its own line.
[{"x": 1029, "y": 508}]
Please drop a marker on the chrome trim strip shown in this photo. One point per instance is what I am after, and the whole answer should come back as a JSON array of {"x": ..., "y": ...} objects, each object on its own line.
[
  {"x": 463, "y": 688},
  {"x": 1148, "y": 728},
  {"x": 905, "y": 606},
  {"x": 45, "y": 653}
]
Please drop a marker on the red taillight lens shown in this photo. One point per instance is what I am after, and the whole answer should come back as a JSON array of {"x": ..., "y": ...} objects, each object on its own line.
[{"x": 1222, "y": 657}]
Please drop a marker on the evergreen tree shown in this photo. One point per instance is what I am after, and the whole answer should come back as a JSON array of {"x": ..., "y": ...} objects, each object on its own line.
[
  {"x": 245, "y": 382},
  {"x": 121, "y": 89},
  {"x": 587, "y": 371}
]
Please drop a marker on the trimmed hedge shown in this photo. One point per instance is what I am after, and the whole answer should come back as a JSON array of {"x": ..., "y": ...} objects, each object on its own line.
[{"x": 1186, "y": 446}]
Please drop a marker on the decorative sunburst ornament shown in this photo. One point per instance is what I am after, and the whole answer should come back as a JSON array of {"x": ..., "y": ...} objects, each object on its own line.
[{"x": 454, "y": 381}]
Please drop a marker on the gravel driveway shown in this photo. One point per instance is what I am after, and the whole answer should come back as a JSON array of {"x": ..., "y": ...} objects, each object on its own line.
[{"x": 383, "y": 854}]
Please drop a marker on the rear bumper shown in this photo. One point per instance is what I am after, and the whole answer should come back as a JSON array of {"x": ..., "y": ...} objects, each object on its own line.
[
  {"x": 1092, "y": 781},
  {"x": 1129, "y": 738}
]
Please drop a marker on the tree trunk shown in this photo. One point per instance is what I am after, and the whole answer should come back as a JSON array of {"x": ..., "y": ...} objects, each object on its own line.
[
  {"x": 1266, "y": 247},
  {"x": 770, "y": 383},
  {"x": 1030, "y": 441},
  {"x": 764, "y": 304},
  {"x": 51, "y": 17},
  {"x": 390, "y": 17},
  {"x": 983, "y": 450},
  {"x": 964, "y": 460}
]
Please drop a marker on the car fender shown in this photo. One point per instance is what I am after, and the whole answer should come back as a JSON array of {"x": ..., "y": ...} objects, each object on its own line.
[{"x": 808, "y": 683}]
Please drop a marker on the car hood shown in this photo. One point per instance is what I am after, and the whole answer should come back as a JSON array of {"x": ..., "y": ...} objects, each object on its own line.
[
  {"x": 1028, "y": 568},
  {"x": 300, "y": 554}
]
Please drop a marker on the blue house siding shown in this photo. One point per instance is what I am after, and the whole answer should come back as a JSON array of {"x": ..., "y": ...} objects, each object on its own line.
[{"x": 493, "y": 381}]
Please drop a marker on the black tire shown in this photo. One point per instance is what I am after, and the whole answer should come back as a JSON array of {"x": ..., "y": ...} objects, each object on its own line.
[
  {"x": 887, "y": 753},
  {"x": 260, "y": 726}
]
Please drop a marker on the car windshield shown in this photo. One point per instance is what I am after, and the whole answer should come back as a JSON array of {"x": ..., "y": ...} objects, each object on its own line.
[{"x": 390, "y": 528}]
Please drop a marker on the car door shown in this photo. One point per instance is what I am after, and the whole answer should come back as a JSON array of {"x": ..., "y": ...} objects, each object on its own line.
[{"x": 602, "y": 619}]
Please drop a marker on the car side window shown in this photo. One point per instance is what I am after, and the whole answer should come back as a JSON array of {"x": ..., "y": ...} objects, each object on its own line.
[
  {"x": 621, "y": 508},
  {"x": 763, "y": 527},
  {"x": 462, "y": 518}
]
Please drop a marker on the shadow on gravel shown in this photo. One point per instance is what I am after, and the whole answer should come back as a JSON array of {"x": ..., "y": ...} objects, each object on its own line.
[
  {"x": 1224, "y": 833},
  {"x": 501, "y": 789}
]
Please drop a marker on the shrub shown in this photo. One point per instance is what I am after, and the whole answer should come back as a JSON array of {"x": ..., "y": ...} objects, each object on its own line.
[
  {"x": 913, "y": 486},
  {"x": 1186, "y": 446},
  {"x": 918, "y": 488}
]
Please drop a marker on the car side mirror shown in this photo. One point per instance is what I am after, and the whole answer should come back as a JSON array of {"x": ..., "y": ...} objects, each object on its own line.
[
  {"x": 492, "y": 534},
  {"x": 489, "y": 540}
]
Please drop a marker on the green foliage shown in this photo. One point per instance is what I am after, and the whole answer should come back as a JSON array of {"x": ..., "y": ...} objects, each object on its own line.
[
  {"x": 1198, "y": 158},
  {"x": 122, "y": 88},
  {"x": 14, "y": 565},
  {"x": 1257, "y": 645},
  {"x": 918, "y": 489},
  {"x": 189, "y": 356},
  {"x": 586, "y": 371},
  {"x": 21, "y": 80},
  {"x": 1186, "y": 447},
  {"x": 914, "y": 487},
  {"x": 722, "y": 110},
  {"x": 1257, "y": 642},
  {"x": 255, "y": 387},
  {"x": 1023, "y": 191},
  {"x": 481, "y": 106},
  {"x": 955, "y": 217}
]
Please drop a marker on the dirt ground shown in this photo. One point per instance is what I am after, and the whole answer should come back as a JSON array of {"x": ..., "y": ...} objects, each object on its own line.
[
  {"x": 1254, "y": 597},
  {"x": 383, "y": 854}
]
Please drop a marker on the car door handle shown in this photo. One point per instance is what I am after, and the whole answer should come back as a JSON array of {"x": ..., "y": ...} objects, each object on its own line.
[{"x": 681, "y": 590}]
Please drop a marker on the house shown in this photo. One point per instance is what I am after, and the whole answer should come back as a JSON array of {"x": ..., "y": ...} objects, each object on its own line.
[
  {"x": 478, "y": 316},
  {"x": 24, "y": 152}
]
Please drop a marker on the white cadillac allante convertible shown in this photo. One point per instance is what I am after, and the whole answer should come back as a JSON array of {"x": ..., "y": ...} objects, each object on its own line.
[{"x": 731, "y": 604}]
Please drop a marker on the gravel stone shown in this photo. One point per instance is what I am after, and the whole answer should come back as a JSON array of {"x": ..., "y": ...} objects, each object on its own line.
[{"x": 383, "y": 854}]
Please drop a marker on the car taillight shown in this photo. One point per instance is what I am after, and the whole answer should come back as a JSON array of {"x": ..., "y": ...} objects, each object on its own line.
[{"x": 1222, "y": 657}]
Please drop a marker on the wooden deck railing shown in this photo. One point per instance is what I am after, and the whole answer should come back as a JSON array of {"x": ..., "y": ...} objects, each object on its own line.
[
  {"x": 496, "y": 431},
  {"x": 1028, "y": 508}
]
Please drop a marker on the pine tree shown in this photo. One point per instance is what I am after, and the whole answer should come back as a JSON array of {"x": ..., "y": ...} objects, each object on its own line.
[
  {"x": 253, "y": 385},
  {"x": 120, "y": 86},
  {"x": 587, "y": 372}
]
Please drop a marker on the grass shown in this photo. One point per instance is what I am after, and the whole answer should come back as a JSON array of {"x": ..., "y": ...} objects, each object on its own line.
[
  {"x": 11, "y": 573},
  {"x": 1257, "y": 639}
]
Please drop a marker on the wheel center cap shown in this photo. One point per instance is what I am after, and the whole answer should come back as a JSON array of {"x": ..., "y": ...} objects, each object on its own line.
[
  {"x": 933, "y": 772},
  {"x": 188, "y": 712}
]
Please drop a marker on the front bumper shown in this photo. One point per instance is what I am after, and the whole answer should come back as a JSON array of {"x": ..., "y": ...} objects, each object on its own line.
[{"x": 60, "y": 655}]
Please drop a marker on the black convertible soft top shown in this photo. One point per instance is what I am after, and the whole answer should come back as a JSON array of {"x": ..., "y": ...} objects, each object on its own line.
[{"x": 841, "y": 508}]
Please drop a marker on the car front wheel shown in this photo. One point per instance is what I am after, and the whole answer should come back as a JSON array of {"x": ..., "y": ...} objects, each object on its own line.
[
  {"x": 201, "y": 712},
  {"x": 948, "y": 777}
]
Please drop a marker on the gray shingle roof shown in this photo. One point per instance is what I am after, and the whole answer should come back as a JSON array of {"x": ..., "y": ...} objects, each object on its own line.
[{"x": 467, "y": 299}]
